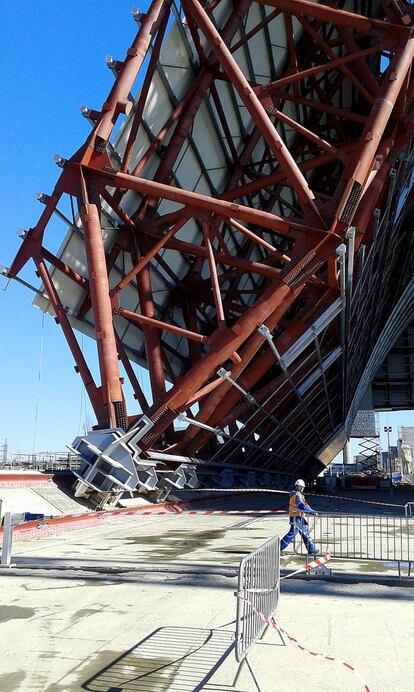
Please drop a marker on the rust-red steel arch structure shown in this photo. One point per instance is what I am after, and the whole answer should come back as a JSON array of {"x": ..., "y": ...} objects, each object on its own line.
[{"x": 254, "y": 185}]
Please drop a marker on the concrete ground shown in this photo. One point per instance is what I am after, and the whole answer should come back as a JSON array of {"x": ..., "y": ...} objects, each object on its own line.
[{"x": 147, "y": 603}]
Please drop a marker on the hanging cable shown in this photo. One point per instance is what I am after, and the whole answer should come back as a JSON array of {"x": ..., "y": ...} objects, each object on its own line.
[
  {"x": 39, "y": 377},
  {"x": 82, "y": 407}
]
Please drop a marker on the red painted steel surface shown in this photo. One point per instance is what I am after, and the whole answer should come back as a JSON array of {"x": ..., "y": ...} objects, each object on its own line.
[{"x": 347, "y": 86}]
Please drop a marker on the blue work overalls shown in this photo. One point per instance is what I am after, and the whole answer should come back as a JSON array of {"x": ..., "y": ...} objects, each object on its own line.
[{"x": 298, "y": 523}]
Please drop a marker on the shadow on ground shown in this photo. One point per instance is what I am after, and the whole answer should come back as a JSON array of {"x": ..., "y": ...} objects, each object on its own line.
[{"x": 180, "y": 659}]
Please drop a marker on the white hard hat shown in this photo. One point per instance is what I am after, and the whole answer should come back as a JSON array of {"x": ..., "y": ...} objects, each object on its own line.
[{"x": 300, "y": 482}]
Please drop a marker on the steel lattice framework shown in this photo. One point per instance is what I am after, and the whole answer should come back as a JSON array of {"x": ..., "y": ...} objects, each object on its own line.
[{"x": 246, "y": 232}]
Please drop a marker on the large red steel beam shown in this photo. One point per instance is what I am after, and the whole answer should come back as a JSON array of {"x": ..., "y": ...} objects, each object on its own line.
[
  {"x": 360, "y": 164},
  {"x": 285, "y": 278},
  {"x": 117, "y": 101},
  {"x": 252, "y": 103},
  {"x": 204, "y": 203},
  {"x": 102, "y": 310},
  {"x": 349, "y": 20}
]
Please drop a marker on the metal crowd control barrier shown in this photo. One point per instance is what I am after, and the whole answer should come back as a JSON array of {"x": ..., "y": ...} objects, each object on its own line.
[
  {"x": 7, "y": 539},
  {"x": 258, "y": 586},
  {"x": 409, "y": 509},
  {"x": 363, "y": 537}
]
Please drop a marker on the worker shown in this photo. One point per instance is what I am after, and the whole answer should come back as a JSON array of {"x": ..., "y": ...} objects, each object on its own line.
[{"x": 298, "y": 524}]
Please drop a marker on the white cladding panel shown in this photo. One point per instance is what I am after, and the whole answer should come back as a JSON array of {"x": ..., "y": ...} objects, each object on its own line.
[{"x": 204, "y": 164}]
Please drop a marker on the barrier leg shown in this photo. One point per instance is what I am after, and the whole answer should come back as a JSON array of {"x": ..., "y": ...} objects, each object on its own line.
[
  {"x": 239, "y": 669},
  {"x": 400, "y": 575},
  {"x": 7, "y": 541},
  {"x": 252, "y": 673},
  {"x": 279, "y": 632},
  {"x": 264, "y": 632}
]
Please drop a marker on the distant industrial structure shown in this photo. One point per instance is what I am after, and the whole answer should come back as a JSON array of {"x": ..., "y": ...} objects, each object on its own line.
[
  {"x": 406, "y": 449},
  {"x": 396, "y": 463},
  {"x": 4, "y": 450}
]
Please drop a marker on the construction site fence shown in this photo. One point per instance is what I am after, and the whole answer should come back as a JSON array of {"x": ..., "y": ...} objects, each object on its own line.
[
  {"x": 258, "y": 586},
  {"x": 361, "y": 537},
  {"x": 409, "y": 509}
]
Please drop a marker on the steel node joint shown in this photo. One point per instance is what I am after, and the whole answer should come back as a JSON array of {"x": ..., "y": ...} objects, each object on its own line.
[
  {"x": 265, "y": 331},
  {"x": 341, "y": 252},
  {"x": 224, "y": 374}
]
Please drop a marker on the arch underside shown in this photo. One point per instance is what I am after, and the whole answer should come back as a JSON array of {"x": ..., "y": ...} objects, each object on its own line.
[{"x": 243, "y": 205}]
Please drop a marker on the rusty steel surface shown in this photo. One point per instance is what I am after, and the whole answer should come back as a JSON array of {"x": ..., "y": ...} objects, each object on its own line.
[{"x": 251, "y": 213}]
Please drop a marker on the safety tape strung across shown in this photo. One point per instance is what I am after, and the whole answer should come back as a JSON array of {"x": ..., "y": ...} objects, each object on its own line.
[
  {"x": 302, "y": 648},
  {"x": 187, "y": 512},
  {"x": 286, "y": 492},
  {"x": 311, "y": 565},
  {"x": 356, "y": 499},
  {"x": 33, "y": 530}
]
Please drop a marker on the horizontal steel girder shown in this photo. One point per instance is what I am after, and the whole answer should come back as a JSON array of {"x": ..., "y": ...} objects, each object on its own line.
[{"x": 218, "y": 209}]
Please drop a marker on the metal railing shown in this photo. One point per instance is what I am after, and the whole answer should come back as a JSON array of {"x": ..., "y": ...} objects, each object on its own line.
[
  {"x": 409, "y": 509},
  {"x": 362, "y": 537},
  {"x": 6, "y": 541},
  {"x": 258, "y": 585}
]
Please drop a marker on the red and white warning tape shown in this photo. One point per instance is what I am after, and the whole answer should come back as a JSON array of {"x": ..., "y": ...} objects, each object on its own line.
[
  {"x": 57, "y": 525},
  {"x": 320, "y": 655},
  {"x": 302, "y": 648},
  {"x": 215, "y": 511},
  {"x": 311, "y": 565},
  {"x": 235, "y": 491}
]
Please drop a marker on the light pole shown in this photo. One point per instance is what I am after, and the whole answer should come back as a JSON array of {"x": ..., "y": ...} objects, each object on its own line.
[{"x": 388, "y": 429}]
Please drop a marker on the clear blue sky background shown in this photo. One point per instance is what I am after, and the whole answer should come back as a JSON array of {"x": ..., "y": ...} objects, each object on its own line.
[{"x": 51, "y": 61}]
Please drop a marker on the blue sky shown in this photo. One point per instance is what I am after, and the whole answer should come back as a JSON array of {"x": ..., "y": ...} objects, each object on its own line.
[{"x": 51, "y": 61}]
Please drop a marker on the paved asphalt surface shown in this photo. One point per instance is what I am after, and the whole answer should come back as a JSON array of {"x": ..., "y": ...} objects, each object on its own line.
[{"x": 147, "y": 603}]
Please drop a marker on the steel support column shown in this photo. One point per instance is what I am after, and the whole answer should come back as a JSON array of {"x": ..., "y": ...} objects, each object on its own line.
[
  {"x": 151, "y": 336},
  {"x": 102, "y": 312}
]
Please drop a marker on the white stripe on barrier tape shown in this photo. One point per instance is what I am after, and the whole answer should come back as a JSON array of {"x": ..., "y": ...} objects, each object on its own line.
[
  {"x": 83, "y": 521},
  {"x": 302, "y": 648},
  {"x": 311, "y": 565},
  {"x": 216, "y": 512},
  {"x": 324, "y": 656}
]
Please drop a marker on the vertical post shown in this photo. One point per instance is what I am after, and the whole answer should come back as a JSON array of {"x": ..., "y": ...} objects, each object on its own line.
[
  {"x": 102, "y": 312},
  {"x": 341, "y": 258},
  {"x": 213, "y": 275},
  {"x": 388, "y": 429},
  {"x": 7, "y": 541},
  {"x": 151, "y": 336},
  {"x": 346, "y": 453}
]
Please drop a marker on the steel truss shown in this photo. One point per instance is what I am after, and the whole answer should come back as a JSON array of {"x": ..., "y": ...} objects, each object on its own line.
[{"x": 312, "y": 152}]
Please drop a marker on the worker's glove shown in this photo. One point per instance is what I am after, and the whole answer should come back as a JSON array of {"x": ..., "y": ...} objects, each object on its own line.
[{"x": 315, "y": 514}]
